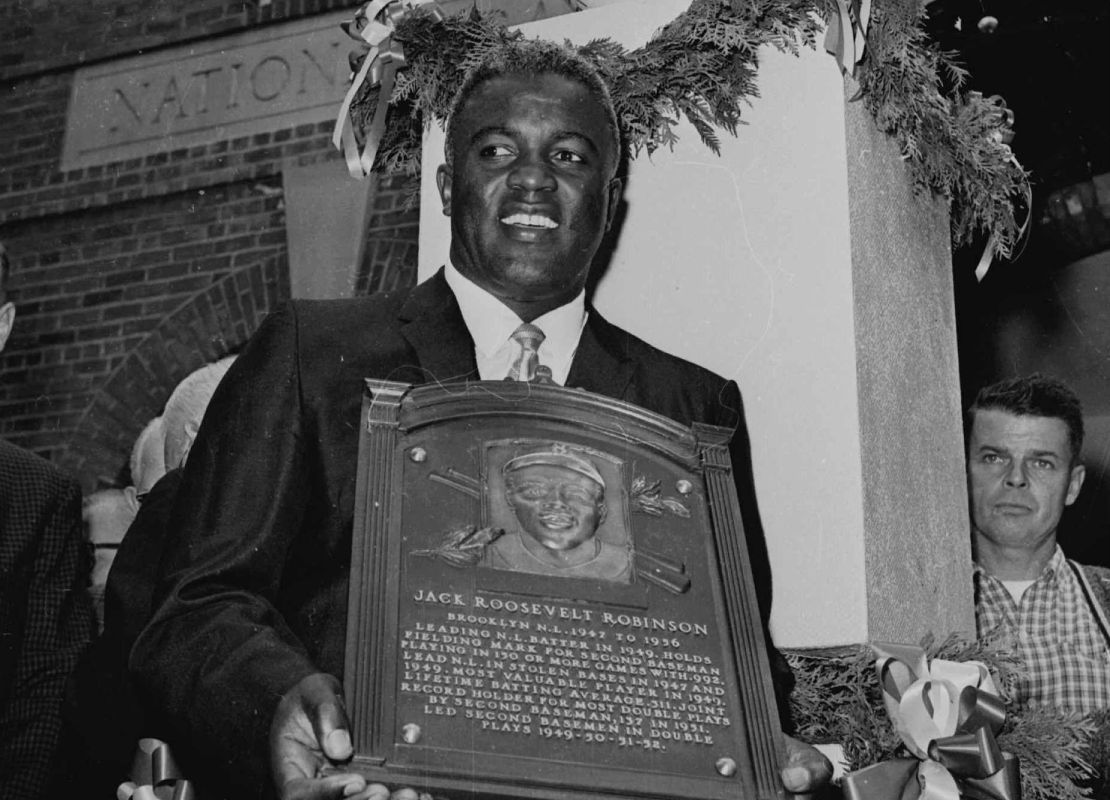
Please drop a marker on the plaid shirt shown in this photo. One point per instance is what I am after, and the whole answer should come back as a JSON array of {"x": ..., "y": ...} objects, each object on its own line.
[{"x": 1056, "y": 634}]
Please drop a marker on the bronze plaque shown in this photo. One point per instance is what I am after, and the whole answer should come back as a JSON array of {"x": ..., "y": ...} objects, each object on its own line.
[{"x": 551, "y": 598}]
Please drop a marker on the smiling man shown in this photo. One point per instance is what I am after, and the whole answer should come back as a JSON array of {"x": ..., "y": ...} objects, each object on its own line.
[
  {"x": 245, "y": 653},
  {"x": 1024, "y": 440},
  {"x": 558, "y": 498}
]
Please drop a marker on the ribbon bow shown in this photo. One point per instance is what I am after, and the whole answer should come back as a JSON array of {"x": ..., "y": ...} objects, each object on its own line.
[
  {"x": 373, "y": 27},
  {"x": 846, "y": 36},
  {"x": 947, "y": 714},
  {"x": 155, "y": 776},
  {"x": 1002, "y": 119}
]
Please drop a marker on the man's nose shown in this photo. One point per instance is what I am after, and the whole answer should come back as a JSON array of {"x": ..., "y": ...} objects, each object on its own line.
[
  {"x": 532, "y": 173},
  {"x": 554, "y": 498},
  {"x": 1015, "y": 475}
]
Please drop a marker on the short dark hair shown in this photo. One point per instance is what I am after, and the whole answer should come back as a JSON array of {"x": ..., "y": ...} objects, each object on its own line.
[
  {"x": 534, "y": 57},
  {"x": 1034, "y": 395}
]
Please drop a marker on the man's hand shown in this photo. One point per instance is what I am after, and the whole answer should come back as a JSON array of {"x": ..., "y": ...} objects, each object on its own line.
[
  {"x": 806, "y": 770},
  {"x": 310, "y": 732}
]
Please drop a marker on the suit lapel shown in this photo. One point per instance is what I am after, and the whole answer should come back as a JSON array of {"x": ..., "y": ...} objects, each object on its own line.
[
  {"x": 433, "y": 326},
  {"x": 601, "y": 362}
]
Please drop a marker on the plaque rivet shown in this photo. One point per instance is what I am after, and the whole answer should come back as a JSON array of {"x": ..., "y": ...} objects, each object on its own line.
[
  {"x": 726, "y": 767},
  {"x": 411, "y": 734},
  {"x": 418, "y": 454},
  {"x": 684, "y": 486}
]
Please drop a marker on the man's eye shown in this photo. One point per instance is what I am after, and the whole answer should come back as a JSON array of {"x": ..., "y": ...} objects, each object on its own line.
[
  {"x": 992, "y": 458},
  {"x": 1042, "y": 463},
  {"x": 495, "y": 151},
  {"x": 578, "y": 495},
  {"x": 568, "y": 157}
]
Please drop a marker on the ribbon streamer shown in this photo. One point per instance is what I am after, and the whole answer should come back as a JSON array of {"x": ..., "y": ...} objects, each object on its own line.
[
  {"x": 373, "y": 27},
  {"x": 1003, "y": 134},
  {"x": 846, "y": 37},
  {"x": 947, "y": 714},
  {"x": 155, "y": 776}
]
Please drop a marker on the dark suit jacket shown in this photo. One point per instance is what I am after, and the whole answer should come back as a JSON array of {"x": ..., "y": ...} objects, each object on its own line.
[
  {"x": 255, "y": 588},
  {"x": 104, "y": 718},
  {"x": 46, "y": 616}
]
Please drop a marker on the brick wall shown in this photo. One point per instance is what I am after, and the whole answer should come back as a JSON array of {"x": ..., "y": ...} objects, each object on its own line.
[
  {"x": 93, "y": 288},
  {"x": 128, "y": 276},
  {"x": 390, "y": 261},
  {"x": 53, "y": 35}
]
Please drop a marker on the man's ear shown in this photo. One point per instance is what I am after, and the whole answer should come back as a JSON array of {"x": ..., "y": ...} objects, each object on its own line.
[
  {"x": 443, "y": 181},
  {"x": 132, "y": 498},
  {"x": 7, "y": 318},
  {"x": 614, "y": 190},
  {"x": 1075, "y": 483},
  {"x": 602, "y": 511}
]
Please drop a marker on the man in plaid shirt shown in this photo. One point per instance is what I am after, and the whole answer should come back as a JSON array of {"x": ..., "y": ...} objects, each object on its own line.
[{"x": 1024, "y": 441}]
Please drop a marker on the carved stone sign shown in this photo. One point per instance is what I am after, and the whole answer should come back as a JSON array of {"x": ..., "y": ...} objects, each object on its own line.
[
  {"x": 263, "y": 80},
  {"x": 551, "y": 598}
]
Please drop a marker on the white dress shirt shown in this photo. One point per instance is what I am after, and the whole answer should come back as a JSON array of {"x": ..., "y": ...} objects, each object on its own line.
[{"x": 491, "y": 324}]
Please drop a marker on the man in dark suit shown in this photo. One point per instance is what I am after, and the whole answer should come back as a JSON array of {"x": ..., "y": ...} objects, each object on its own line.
[
  {"x": 246, "y": 648},
  {"x": 46, "y": 616}
]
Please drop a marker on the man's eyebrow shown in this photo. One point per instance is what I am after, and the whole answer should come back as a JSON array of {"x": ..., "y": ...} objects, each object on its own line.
[
  {"x": 1002, "y": 450},
  {"x": 490, "y": 130},
  {"x": 578, "y": 136},
  {"x": 1043, "y": 453},
  {"x": 501, "y": 130}
]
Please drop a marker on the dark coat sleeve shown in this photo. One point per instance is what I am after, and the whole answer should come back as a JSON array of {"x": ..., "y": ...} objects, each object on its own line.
[
  {"x": 46, "y": 619},
  {"x": 104, "y": 717},
  {"x": 218, "y": 653}
]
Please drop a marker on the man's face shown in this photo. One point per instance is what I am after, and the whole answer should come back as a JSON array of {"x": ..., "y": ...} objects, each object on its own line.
[
  {"x": 7, "y": 317},
  {"x": 107, "y": 520},
  {"x": 529, "y": 192},
  {"x": 1020, "y": 477},
  {"x": 558, "y": 507}
]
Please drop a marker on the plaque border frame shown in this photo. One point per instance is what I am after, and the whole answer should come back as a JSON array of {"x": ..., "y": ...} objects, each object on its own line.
[{"x": 391, "y": 409}]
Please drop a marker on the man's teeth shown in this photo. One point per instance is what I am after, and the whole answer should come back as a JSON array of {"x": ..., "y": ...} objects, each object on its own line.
[
  {"x": 557, "y": 520},
  {"x": 530, "y": 221}
]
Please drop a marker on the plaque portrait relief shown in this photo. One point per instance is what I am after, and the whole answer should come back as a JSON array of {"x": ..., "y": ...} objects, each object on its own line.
[
  {"x": 561, "y": 508},
  {"x": 550, "y": 598}
]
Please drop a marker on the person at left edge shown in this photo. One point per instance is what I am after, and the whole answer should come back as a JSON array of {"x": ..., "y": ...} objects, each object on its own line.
[
  {"x": 246, "y": 647},
  {"x": 46, "y": 615}
]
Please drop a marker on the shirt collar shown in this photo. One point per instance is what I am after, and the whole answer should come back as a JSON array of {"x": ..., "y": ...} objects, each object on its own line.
[
  {"x": 491, "y": 322},
  {"x": 1055, "y": 564}
]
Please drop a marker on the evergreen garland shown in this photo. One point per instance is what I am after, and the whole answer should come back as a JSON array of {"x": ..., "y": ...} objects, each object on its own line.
[
  {"x": 953, "y": 141},
  {"x": 702, "y": 67},
  {"x": 837, "y": 698}
]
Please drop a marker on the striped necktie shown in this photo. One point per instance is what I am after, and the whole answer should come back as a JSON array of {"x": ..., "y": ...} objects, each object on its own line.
[{"x": 526, "y": 365}]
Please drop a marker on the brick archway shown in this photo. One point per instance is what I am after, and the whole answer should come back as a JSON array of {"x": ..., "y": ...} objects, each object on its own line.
[{"x": 207, "y": 326}]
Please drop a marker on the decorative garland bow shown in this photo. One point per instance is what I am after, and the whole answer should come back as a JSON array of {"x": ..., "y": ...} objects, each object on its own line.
[
  {"x": 373, "y": 27},
  {"x": 1001, "y": 132},
  {"x": 155, "y": 776},
  {"x": 846, "y": 36},
  {"x": 947, "y": 714}
]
